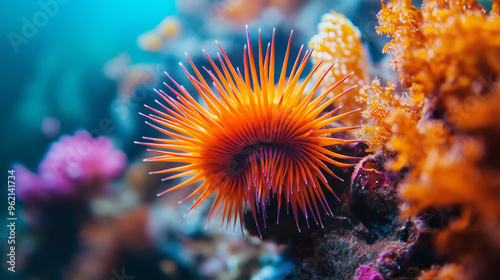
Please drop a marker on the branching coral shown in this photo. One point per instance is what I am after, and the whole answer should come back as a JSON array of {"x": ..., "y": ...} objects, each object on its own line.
[
  {"x": 454, "y": 171},
  {"x": 380, "y": 102},
  {"x": 447, "y": 53},
  {"x": 338, "y": 40},
  {"x": 432, "y": 141},
  {"x": 427, "y": 47},
  {"x": 447, "y": 46}
]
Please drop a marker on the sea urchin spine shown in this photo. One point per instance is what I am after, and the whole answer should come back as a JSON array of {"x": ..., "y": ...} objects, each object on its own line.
[{"x": 257, "y": 140}]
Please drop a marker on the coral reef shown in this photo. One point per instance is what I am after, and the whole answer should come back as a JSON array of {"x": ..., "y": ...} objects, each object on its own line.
[
  {"x": 429, "y": 143},
  {"x": 416, "y": 194},
  {"x": 447, "y": 55}
]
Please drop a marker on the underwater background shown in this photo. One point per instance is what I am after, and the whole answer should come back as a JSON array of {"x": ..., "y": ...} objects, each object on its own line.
[{"x": 421, "y": 200}]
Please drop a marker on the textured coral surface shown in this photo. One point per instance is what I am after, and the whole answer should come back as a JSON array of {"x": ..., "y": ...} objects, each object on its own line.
[{"x": 339, "y": 41}]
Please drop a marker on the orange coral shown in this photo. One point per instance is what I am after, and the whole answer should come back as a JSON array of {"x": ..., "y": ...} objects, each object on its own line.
[
  {"x": 413, "y": 143},
  {"x": 445, "y": 176},
  {"x": 470, "y": 104},
  {"x": 453, "y": 171},
  {"x": 478, "y": 111},
  {"x": 380, "y": 102},
  {"x": 339, "y": 40},
  {"x": 447, "y": 53},
  {"x": 447, "y": 46}
]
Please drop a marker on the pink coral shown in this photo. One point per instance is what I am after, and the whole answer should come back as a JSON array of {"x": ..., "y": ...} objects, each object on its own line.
[
  {"x": 74, "y": 166},
  {"x": 366, "y": 272}
]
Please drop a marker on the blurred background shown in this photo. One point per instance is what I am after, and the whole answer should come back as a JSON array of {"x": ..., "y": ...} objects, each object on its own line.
[{"x": 73, "y": 71}]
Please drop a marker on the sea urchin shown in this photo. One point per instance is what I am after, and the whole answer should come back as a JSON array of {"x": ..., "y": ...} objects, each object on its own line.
[{"x": 256, "y": 140}]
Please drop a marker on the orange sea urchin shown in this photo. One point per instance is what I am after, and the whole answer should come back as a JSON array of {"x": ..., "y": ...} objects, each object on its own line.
[{"x": 257, "y": 140}]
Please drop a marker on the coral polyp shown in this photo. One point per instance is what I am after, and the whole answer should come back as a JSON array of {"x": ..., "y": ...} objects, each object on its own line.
[{"x": 256, "y": 140}]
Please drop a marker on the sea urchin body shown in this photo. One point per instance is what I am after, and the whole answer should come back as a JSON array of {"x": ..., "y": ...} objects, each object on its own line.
[{"x": 255, "y": 141}]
